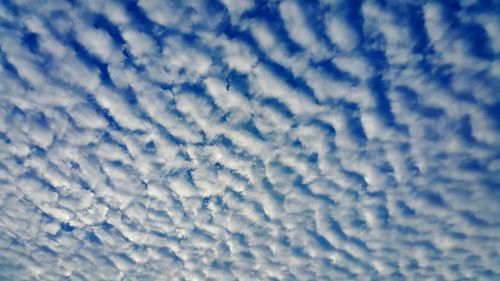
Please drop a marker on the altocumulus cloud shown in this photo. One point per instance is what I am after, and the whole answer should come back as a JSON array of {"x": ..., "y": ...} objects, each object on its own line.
[{"x": 249, "y": 140}]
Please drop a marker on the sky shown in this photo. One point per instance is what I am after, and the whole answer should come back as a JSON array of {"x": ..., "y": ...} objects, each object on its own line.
[{"x": 249, "y": 140}]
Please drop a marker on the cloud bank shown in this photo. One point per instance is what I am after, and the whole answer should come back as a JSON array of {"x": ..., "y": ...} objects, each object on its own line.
[{"x": 249, "y": 140}]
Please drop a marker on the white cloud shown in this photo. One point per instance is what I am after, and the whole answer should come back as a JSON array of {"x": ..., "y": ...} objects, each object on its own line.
[
  {"x": 161, "y": 12},
  {"x": 299, "y": 30},
  {"x": 139, "y": 43},
  {"x": 100, "y": 44},
  {"x": 237, "y": 7},
  {"x": 341, "y": 33},
  {"x": 239, "y": 56},
  {"x": 355, "y": 65},
  {"x": 268, "y": 85},
  {"x": 85, "y": 116}
]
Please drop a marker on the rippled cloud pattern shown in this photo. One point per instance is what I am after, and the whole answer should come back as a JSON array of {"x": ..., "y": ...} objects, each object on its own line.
[{"x": 249, "y": 140}]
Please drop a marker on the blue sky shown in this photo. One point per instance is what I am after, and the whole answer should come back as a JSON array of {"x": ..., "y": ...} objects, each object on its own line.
[{"x": 249, "y": 140}]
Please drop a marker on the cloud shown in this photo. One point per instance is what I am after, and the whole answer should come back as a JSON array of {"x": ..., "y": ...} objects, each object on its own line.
[
  {"x": 227, "y": 140},
  {"x": 341, "y": 33},
  {"x": 237, "y": 8},
  {"x": 298, "y": 28}
]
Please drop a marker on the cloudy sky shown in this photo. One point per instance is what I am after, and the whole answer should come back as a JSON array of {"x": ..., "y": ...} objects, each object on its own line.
[{"x": 249, "y": 140}]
